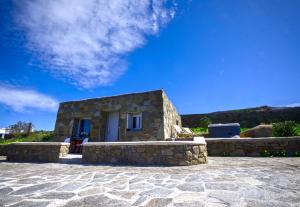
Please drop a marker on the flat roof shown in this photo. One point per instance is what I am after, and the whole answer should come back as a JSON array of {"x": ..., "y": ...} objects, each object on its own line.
[{"x": 106, "y": 97}]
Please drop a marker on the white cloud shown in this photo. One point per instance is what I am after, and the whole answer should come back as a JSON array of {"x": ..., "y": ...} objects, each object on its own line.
[
  {"x": 86, "y": 41},
  {"x": 293, "y": 105},
  {"x": 21, "y": 100}
]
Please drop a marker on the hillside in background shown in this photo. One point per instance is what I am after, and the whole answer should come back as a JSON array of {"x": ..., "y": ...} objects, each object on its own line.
[{"x": 249, "y": 117}]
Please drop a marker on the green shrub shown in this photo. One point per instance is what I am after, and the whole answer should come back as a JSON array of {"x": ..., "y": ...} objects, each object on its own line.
[
  {"x": 204, "y": 122},
  {"x": 284, "y": 129},
  {"x": 298, "y": 129},
  {"x": 199, "y": 130},
  {"x": 19, "y": 135},
  {"x": 266, "y": 153},
  {"x": 244, "y": 129},
  {"x": 39, "y": 136},
  {"x": 47, "y": 137}
]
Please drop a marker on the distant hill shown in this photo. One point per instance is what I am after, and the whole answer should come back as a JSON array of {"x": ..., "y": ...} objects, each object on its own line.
[{"x": 249, "y": 117}]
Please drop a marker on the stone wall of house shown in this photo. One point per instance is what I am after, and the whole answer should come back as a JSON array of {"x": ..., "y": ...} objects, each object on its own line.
[
  {"x": 171, "y": 117},
  {"x": 253, "y": 146},
  {"x": 3, "y": 149},
  {"x": 146, "y": 153},
  {"x": 36, "y": 151},
  {"x": 150, "y": 104}
]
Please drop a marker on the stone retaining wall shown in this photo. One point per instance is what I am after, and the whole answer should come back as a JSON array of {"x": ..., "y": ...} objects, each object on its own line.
[
  {"x": 3, "y": 149},
  {"x": 253, "y": 146},
  {"x": 146, "y": 153},
  {"x": 37, "y": 151}
]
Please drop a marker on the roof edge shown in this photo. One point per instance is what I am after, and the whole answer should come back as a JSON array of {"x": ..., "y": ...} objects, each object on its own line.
[{"x": 105, "y": 97}]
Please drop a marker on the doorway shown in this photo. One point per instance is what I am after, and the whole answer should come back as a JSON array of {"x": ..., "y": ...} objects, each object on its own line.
[
  {"x": 112, "y": 127},
  {"x": 80, "y": 134}
]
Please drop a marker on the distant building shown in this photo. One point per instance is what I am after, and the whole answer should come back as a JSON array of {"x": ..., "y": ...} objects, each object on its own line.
[
  {"x": 128, "y": 117},
  {"x": 4, "y": 132}
]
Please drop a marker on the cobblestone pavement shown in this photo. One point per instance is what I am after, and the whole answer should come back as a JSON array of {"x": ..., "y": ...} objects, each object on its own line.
[{"x": 224, "y": 181}]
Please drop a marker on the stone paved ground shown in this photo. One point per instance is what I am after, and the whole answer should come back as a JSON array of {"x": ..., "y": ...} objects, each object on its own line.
[{"x": 223, "y": 182}]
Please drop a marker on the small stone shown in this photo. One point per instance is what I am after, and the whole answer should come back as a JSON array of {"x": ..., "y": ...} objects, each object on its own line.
[
  {"x": 189, "y": 204},
  {"x": 140, "y": 200},
  {"x": 55, "y": 195},
  {"x": 203, "y": 148},
  {"x": 101, "y": 200},
  {"x": 7, "y": 200},
  {"x": 178, "y": 176},
  {"x": 140, "y": 186},
  {"x": 35, "y": 188},
  {"x": 264, "y": 203},
  {"x": 31, "y": 204},
  {"x": 157, "y": 192},
  {"x": 189, "y": 154},
  {"x": 118, "y": 184},
  {"x": 167, "y": 152},
  {"x": 221, "y": 186},
  {"x": 71, "y": 186},
  {"x": 123, "y": 194},
  {"x": 160, "y": 176},
  {"x": 4, "y": 191},
  {"x": 196, "y": 149},
  {"x": 194, "y": 187},
  {"x": 159, "y": 202},
  {"x": 183, "y": 163},
  {"x": 229, "y": 197},
  {"x": 91, "y": 191},
  {"x": 136, "y": 180}
]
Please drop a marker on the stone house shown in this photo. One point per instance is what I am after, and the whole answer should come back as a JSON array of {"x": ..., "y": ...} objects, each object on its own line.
[{"x": 129, "y": 117}]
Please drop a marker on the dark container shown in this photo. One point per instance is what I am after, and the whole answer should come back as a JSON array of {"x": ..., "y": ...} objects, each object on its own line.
[{"x": 224, "y": 130}]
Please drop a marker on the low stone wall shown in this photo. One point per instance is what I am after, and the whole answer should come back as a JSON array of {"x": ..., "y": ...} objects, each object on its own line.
[
  {"x": 37, "y": 151},
  {"x": 3, "y": 149},
  {"x": 146, "y": 153},
  {"x": 253, "y": 147}
]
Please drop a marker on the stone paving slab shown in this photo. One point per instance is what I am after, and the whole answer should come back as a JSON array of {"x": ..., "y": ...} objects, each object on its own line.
[{"x": 224, "y": 181}]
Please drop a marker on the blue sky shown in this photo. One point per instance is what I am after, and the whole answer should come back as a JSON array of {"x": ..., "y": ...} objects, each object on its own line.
[{"x": 208, "y": 55}]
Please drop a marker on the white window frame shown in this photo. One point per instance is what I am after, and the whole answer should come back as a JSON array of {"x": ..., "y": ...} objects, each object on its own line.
[{"x": 130, "y": 116}]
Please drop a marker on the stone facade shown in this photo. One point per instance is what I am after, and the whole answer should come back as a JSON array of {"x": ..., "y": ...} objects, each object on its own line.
[
  {"x": 178, "y": 153},
  {"x": 253, "y": 147},
  {"x": 171, "y": 118},
  {"x": 158, "y": 116},
  {"x": 36, "y": 151}
]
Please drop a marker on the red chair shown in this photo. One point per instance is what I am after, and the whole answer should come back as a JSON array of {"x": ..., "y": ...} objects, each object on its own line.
[{"x": 78, "y": 148}]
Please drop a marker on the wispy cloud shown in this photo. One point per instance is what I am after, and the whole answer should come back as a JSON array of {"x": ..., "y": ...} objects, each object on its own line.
[
  {"x": 21, "y": 100},
  {"x": 293, "y": 105},
  {"x": 86, "y": 41}
]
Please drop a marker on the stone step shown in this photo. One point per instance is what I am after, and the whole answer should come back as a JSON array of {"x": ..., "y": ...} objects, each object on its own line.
[{"x": 71, "y": 159}]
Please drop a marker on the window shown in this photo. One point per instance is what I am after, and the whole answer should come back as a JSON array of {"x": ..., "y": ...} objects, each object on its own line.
[{"x": 134, "y": 121}]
